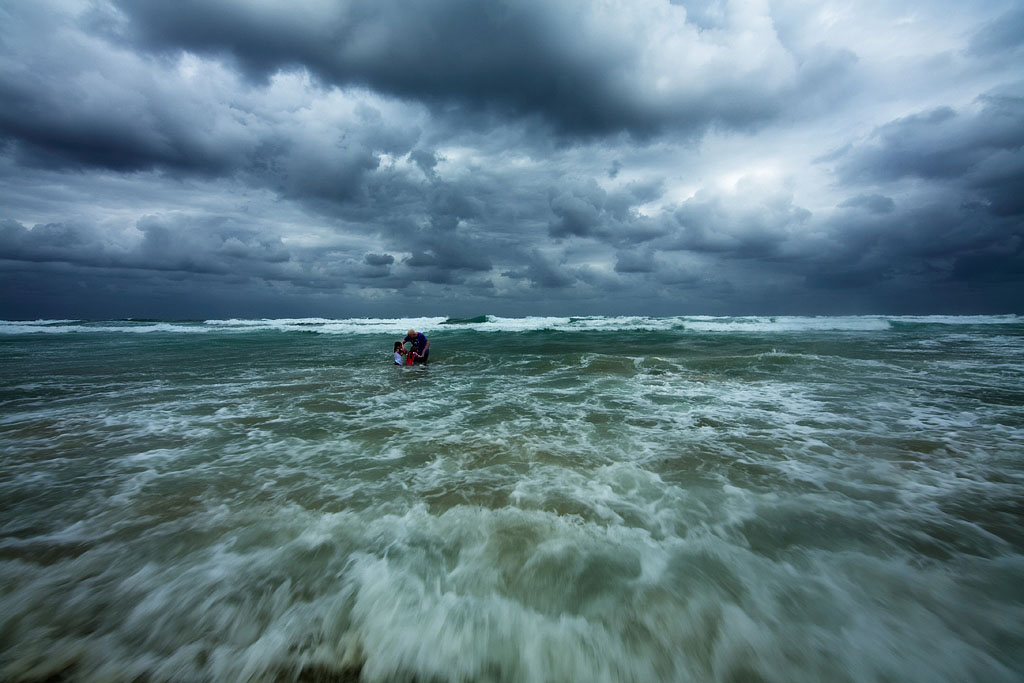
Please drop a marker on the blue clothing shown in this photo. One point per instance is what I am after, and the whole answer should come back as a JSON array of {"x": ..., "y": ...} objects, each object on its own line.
[{"x": 419, "y": 343}]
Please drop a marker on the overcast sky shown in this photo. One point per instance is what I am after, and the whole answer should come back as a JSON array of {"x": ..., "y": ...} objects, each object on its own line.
[{"x": 250, "y": 158}]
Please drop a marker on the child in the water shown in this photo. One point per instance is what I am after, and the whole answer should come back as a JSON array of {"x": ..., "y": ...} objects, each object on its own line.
[{"x": 399, "y": 352}]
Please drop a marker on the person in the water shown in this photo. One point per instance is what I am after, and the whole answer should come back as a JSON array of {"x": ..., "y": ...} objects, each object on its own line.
[
  {"x": 399, "y": 353},
  {"x": 420, "y": 345}
]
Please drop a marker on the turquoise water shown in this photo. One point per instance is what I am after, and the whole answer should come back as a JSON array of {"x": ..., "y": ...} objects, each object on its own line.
[{"x": 550, "y": 499}]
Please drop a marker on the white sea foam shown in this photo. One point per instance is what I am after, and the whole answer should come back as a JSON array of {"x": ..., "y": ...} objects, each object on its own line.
[
  {"x": 507, "y": 594},
  {"x": 8, "y": 327},
  {"x": 37, "y": 322},
  {"x": 395, "y": 326},
  {"x": 778, "y": 509},
  {"x": 789, "y": 324},
  {"x": 1008, "y": 319}
]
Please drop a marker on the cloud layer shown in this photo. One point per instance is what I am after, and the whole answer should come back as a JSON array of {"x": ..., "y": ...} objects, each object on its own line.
[{"x": 341, "y": 158}]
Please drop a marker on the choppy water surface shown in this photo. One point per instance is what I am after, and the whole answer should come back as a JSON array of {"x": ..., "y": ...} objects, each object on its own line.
[{"x": 595, "y": 499}]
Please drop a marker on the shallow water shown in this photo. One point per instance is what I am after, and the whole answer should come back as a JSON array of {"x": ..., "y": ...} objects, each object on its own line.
[{"x": 550, "y": 499}]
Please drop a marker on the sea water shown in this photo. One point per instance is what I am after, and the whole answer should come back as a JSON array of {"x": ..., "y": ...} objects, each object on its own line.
[{"x": 549, "y": 499}]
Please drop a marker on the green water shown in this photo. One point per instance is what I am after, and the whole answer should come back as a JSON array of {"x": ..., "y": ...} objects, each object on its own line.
[{"x": 687, "y": 499}]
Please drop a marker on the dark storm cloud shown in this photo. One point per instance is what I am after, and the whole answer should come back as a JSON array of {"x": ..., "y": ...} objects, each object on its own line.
[
  {"x": 874, "y": 203},
  {"x": 736, "y": 227},
  {"x": 967, "y": 215},
  {"x": 634, "y": 262},
  {"x": 938, "y": 240},
  {"x": 572, "y": 64},
  {"x": 427, "y": 161},
  {"x": 379, "y": 259},
  {"x": 448, "y": 205},
  {"x": 576, "y": 213},
  {"x": 443, "y": 257},
  {"x": 90, "y": 105},
  {"x": 146, "y": 129},
  {"x": 941, "y": 243},
  {"x": 941, "y": 144},
  {"x": 584, "y": 209},
  {"x": 175, "y": 243},
  {"x": 1000, "y": 36},
  {"x": 467, "y": 157},
  {"x": 543, "y": 272},
  {"x": 50, "y": 126},
  {"x": 76, "y": 104},
  {"x": 1000, "y": 264}
]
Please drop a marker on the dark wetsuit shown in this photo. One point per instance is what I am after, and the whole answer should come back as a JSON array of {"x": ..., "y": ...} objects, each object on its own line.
[{"x": 419, "y": 345}]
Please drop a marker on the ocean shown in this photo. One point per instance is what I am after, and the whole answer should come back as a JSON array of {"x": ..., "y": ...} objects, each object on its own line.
[{"x": 549, "y": 499}]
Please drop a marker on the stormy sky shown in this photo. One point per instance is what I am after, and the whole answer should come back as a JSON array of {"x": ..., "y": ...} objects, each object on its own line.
[{"x": 250, "y": 158}]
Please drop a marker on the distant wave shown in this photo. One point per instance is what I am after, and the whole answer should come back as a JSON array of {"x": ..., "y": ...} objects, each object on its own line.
[
  {"x": 465, "y": 321},
  {"x": 490, "y": 323},
  {"x": 73, "y": 326},
  {"x": 960, "y": 319}
]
